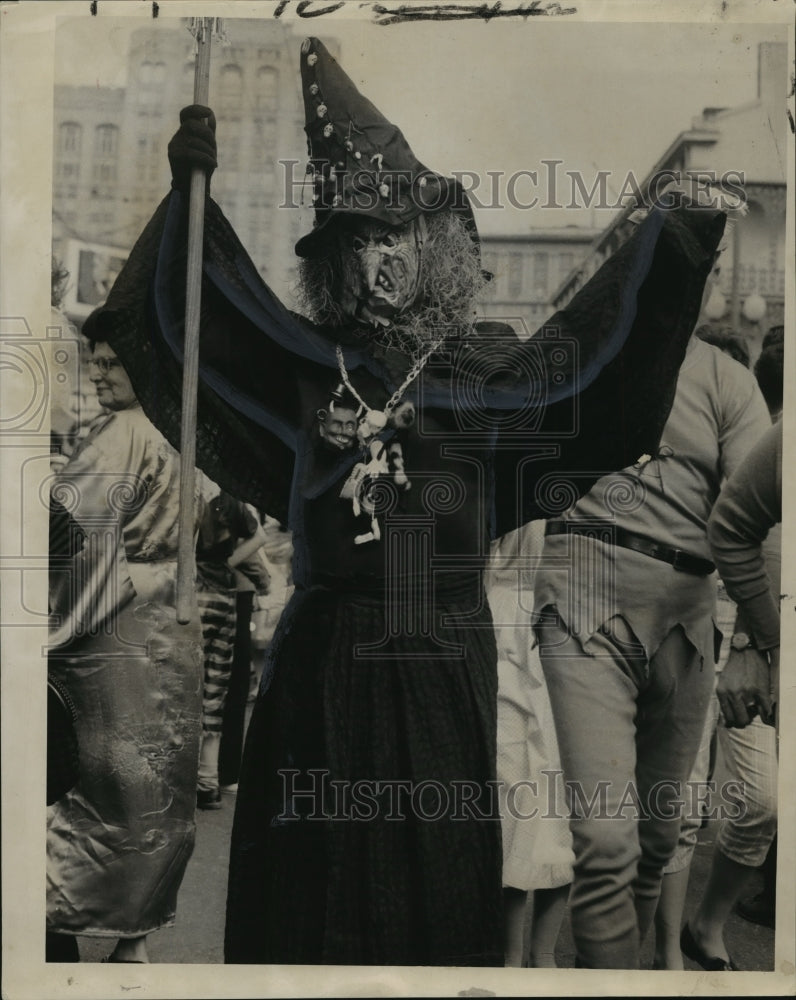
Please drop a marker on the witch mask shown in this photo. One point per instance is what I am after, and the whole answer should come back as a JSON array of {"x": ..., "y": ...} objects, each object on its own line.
[{"x": 381, "y": 267}]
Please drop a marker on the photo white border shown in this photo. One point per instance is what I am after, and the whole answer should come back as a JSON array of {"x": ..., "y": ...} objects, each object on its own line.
[{"x": 26, "y": 155}]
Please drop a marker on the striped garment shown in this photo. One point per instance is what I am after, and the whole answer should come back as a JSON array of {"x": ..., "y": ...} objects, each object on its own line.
[{"x": 217, "y": 616}]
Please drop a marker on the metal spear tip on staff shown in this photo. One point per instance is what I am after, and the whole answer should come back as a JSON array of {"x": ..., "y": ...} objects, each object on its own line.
[{"x": 203, "y": 29}]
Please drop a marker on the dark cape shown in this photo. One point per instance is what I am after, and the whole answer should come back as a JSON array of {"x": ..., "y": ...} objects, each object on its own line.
[
  {"x": 366, "y": 827},
  {"x": 595, "y": 383}
]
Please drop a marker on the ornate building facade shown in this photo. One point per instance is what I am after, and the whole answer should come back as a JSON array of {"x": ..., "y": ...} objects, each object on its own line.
[
  {"x": 748, "y": 141},
  {"x": 111, "y": 168},
  {"x": 527, "y": 269}
]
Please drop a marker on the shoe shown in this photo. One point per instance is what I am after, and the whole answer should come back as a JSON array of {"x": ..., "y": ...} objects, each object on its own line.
[
  {"x": 208, "y": 798},
  {"x": 757, "y": 910},
  {"x": 710, "y": 963},
  {"x": 229, "y": 789}
]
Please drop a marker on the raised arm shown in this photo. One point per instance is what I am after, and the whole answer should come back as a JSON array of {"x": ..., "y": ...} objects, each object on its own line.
[
  {"x": 253, "y": 351},
  {"x": 605, "y": 367}
]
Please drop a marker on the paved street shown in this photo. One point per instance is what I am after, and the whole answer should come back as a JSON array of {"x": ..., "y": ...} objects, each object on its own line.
[{"x": 198, "y": 934}]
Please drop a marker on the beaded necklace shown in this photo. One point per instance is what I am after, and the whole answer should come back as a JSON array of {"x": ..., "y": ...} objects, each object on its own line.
[
  {"x": 377, "y": 419},
  {"x": 379, "y": 459}
]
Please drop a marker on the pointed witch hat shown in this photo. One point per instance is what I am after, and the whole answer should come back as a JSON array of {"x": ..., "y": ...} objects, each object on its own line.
[{"x": 360, "y": 162}]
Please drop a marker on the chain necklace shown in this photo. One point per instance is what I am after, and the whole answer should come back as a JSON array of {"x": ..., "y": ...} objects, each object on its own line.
[
  {"x": 379, "y": 459},
  {"x": 378, "y": 418}
]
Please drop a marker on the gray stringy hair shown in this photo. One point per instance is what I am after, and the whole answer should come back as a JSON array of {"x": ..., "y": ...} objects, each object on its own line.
[{"x": 451, "y": 280}]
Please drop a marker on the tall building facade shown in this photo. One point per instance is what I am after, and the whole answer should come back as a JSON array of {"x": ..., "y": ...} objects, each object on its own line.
[
  {"x": 86, "y": 167},
  {"x": 527, "y": 269},
  {"x": 748, "y": 140},
  {"x": 111, "y": 168}
]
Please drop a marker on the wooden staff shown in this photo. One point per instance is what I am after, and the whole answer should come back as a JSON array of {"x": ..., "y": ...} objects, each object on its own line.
[{"x": 186, "y": 557}]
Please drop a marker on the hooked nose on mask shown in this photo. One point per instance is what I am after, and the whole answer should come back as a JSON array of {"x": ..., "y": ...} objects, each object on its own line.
[{"x": 370, "y": 262}]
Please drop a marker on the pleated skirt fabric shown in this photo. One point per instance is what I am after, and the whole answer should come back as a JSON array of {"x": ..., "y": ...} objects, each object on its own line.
[{"x": 366, "y": 829}]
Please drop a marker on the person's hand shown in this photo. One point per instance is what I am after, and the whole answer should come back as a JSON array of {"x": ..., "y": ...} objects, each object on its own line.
[
  {"x": 744, "y": 689},
  {"x": 193, "y": 145}
]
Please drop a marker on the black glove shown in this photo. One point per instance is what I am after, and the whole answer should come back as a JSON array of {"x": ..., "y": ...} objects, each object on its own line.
[{"x": 193, "y": 145}]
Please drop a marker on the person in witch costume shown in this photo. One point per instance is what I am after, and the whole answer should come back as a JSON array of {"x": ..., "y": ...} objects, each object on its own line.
[{"x": 366, "y": 828}]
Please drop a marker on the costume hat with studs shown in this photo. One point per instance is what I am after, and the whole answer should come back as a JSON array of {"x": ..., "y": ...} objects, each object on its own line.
[{"x": 360, "y": 163}]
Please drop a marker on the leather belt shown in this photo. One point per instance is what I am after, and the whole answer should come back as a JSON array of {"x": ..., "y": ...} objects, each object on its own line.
[{"x": 684, "y": 562}]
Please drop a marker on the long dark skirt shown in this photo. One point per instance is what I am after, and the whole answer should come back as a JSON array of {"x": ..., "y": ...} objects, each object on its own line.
[
  {"x": 366, "y": 831},
  {"x": 234, "y": 723}
]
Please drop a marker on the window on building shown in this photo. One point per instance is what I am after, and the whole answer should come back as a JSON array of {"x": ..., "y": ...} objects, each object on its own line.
[
  {"x": 267, "y": 86},
  {"x": 264, "y": 141},
  {"x": 70, "y": 136},
  {"x": 105, "y": 173},
  {"x": 106, "y": 140},
  {"x": 229, "y": 143},
  {"x": 152, "y": 74},
  {"x": 230, "y": 83},
  {"x": 186, "y": 81},
  {"x": 566, "y": 261},
  {"x": 515, "y": 275},
  {"x": 541, "y": 272},
  {"x": 151, "y": 80}
]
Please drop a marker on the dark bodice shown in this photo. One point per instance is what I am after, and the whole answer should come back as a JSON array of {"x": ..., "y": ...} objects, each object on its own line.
[{"x": 440, "y": 522}]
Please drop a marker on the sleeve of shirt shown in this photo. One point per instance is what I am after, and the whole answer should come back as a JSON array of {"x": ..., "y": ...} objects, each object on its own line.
[
  {"x": 245, "y": 522},
  {"x": 749, "y": 505},
  {"x": 745, "y": 417},
  {"x": 591, "y": 391}
]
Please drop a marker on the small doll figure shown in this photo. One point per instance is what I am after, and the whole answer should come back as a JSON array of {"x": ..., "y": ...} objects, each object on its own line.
[
  {"x": 402, "y": 416},
  {"x": 384, "y": 459},
  {"x": 358, "y": 486},
  {"x": 371, "y": 424},
  {"x": 337, "y": 425},
  {"x": 395, "y": 458}
]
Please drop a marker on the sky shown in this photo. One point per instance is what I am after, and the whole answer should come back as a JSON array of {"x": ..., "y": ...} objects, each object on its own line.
[{"x": 508, "y": 95}]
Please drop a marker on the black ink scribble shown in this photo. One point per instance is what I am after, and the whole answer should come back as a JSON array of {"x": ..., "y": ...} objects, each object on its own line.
[
  {"x": 487, "y": 10},
  {"x": 406, "y": 12},
  {"x": 791, "y": 122},
  {"x": 305, "y": 8}
]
